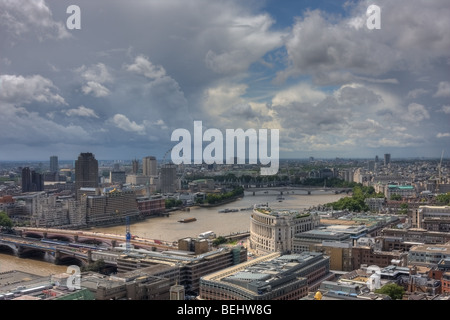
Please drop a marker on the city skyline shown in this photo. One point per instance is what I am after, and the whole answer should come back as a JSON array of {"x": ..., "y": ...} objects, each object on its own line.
[{"x": 136, "y": 71}]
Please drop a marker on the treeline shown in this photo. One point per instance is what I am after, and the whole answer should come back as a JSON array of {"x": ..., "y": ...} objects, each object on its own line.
[
  {"x": 213, "y": 198},
  {"x": 356, "y": 202},
  {"x": 5, "y": 221},
  {"x": 171, "y": 203},
  {"x": 443, "y": 199}
]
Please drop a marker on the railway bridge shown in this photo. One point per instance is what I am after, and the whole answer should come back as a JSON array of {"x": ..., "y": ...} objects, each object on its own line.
[{"x": 51, "y": 252}]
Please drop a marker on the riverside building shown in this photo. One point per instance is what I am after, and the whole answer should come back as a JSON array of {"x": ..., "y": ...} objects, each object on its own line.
[{"x": 274, "y": 230}]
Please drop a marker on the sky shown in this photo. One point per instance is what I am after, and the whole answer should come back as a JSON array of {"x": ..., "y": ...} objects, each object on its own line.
[{"x": 139, "y": 69}]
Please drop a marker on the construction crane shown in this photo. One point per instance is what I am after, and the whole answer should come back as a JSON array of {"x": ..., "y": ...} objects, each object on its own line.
[
  {"x": 127, "y": 235},
  {"x": 440, "y": 170}
]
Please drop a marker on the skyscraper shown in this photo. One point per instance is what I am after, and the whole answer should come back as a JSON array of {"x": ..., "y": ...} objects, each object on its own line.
[
  {"x": 168, "y": 178},
  {"x": 387, "y": 158},
  {"x": 54, "y": 164},
  {"x": 86, "y": 171},
  {"x": 26, "y": 179},
  {"x": 135, "y": 164},
  {"x": 31, "y": 180},
  {"x": 149, "y": 166}
]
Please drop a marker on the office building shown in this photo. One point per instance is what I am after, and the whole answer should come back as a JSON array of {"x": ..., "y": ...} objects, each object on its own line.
[
  {"x": 432, "y": 218},
  {"x": 428, "y": 255},
  {"x": 270, "y": 277},
  {"x": 185, "y": 267},
  {"x": 54, "y": 167},
  {"x": 417, "y": 235},
  {"x": 109, "y": 207},
  {"x": 151, "y": 206},
  {"x": 387, "y": 159},
  {"x": 117, "y": 177},
  {"x": 86, "y": 172},
  {"x": 168, "y": 178},
  {"x": 366, "y": 255},
  {"x": 135, "y": 166},
  {"x": 274, "y": 230},
  {"x": 149, "y": 167},
  {"x": 31, "y": 180},
  {"x": 307, "y": 241}
]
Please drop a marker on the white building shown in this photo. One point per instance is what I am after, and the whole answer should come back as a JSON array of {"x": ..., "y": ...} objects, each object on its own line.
[{"x": 274, "y": 230}]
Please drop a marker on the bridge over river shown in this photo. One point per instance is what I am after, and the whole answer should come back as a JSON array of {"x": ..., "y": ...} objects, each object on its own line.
[
  {"x": 293, "y": 189},
  {"x": 71, "y": 246}
]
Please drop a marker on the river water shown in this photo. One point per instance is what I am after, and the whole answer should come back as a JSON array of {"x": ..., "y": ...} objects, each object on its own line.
[{"x": 169, "y": 229}]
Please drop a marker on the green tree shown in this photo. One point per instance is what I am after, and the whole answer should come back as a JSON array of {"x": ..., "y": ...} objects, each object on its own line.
[
  {"x": 96, "y": 266},
  {"x": 170, "y": 203},
  {"x": 392, "y": 290},
  {"x": 5, "y": 221},
  {"x": 443, "y": 199},
  {"x": 396, "y": 197},
  {"x": 219, "y": 241},
  {"x": 404, "y": 208}
]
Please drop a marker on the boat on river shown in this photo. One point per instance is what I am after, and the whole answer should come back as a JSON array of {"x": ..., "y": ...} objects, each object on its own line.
[
  {"x": 228, "y": 210},
  {"x": 185, "y": 220}
]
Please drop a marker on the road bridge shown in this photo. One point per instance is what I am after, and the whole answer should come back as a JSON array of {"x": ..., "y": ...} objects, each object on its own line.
[{"x": 287, "y": 189}]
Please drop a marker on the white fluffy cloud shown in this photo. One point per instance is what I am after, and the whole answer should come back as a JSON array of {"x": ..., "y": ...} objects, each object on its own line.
[
  {"x": 443, "y": 90},
  {"x": 24, "y": 16},
  {"x": 443, "y": 135},
  {"x": 82, "y": 111},
  {"x": 416, "y": 112},
  {"x": 95, "y": 76},
  {"x": 445, "y": 109},
  {"x": 20, "y": 90},
  {"x": 122, "y": 122},
  {"x": 97, "y": 89},
  {"x": 245, "y": 40},
  {"x": 142, "y": 65}
]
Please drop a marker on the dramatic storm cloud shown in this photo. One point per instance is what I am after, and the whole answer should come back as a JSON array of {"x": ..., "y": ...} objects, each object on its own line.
[{"x": 137, "y": 70}]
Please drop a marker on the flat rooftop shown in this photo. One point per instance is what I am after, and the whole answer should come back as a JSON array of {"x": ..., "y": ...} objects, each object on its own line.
[{"x": 14, "y": 278}]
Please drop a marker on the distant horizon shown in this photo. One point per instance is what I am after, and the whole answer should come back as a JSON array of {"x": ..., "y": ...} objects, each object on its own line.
[{"x": 281, "y": 159}]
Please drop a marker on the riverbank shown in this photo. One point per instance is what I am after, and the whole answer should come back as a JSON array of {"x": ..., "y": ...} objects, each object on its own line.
[{"x": 212, "y": 205}]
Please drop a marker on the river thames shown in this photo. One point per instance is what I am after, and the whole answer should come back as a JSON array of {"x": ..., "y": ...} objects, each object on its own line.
[{"x": 169, "y": 229}]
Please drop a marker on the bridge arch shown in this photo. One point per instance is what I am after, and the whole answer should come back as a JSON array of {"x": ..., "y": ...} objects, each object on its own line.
[
  {"x": 59, "y": 237},
  {"x": 92, "y": 241},
  {"x": 25, "y": 252},
  {"x": 33, "y": 235},
  {"x": 68, "y": 260},
  {"x": 8, "y": 248}
]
